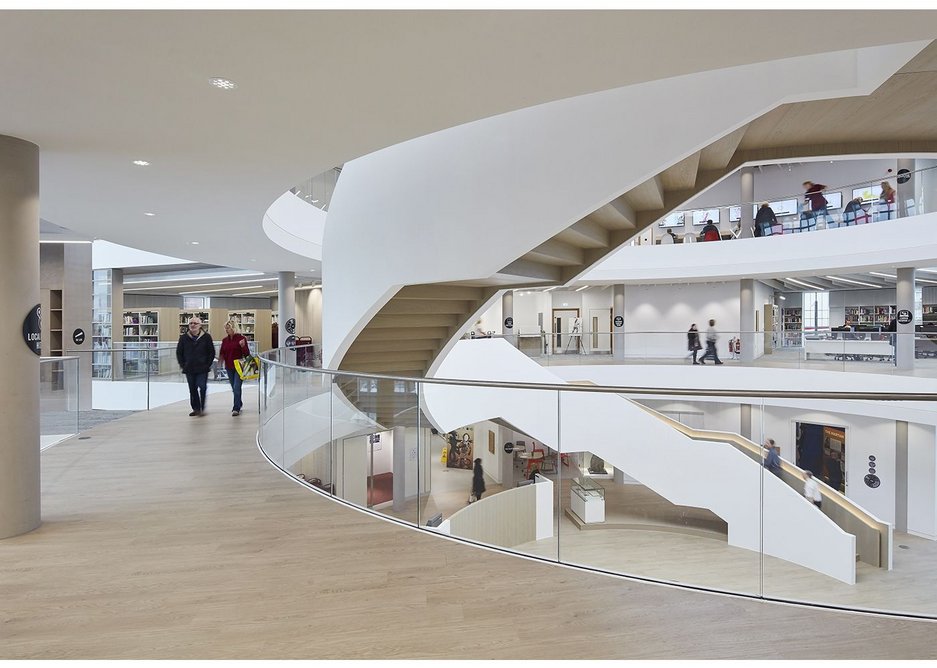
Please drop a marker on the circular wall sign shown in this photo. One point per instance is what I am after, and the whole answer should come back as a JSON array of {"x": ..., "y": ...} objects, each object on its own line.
[
  {"x": 32, "y": 329},
  {"x": 619, "y": 321},
  {"x": 509, "y": 323},
  {"x": 904, "y": 317},
  {"x": 509, "y": 447},
  {"x": 291, "y": 325},
  {"x": 904, "y": 175},
  {"x": 872, "y": 480},
  {"x": 290, "y": 341},
  {"x": 78, "y": 336}
]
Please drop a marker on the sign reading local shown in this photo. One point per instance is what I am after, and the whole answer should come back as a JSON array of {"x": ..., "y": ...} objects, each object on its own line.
[
  {"x": 291, "y": 325},
  {"x": 78, "y": 336},
  {"x": 619, "y": 321},
  {"x": 509, "y": 323},
  {"x": 290, "y": 341},
  {"x": 904, "y": 317},
  {"x": 32, "y": 329},
  {"x": 509, "y": 447},
  {"x": 904, "y": 175}
]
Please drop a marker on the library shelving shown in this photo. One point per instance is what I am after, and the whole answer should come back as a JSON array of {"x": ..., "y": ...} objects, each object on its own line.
[
  {"x": 246, "y": 322},
  {"x": 792, "y": 327},
  {"x": 184, "y": 317},
  {"x": 101, "y": 334},
  {"x": 141, "y": 336},
  {"x": 929, "y": 313},
  {"x": 871, "y": 315}
]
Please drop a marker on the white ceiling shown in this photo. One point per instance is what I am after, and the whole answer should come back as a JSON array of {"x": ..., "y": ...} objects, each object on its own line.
[{"x": 97, "y": 90}]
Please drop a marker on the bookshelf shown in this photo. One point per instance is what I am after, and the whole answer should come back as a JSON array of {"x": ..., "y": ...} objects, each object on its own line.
[
  {"x": 141, "y": 336},
  {"x": 792, "y": 327},
  {"x": 929, "y": 313},
  {"x": 871, "y": 315},
  {"x": 246, "y": 322},
  {"x": 184, "y": 317},
  {"x": 101, "y": 334}
]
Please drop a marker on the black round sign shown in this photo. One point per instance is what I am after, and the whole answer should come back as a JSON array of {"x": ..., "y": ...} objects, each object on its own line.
[
  {"x": 509, "y": 447},
  {"x": 78, "y": 337},
  {"x": 32, "y": 329},
  {"x": 290, "y": 341},
  {"x": 291, "y": 325},
  {"x": 619, "y": 321},
  {"x": 509, "y": 323},
  {"x": 904, "y": 317},
  {"x": 872, "y": 480},
  {"x": 904, "y": 175}
]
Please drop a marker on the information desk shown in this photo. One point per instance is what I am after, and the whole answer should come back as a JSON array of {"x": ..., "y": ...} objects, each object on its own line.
[
  {"x": 587, "y": 500},
  {"x": 841, "y": 349}
]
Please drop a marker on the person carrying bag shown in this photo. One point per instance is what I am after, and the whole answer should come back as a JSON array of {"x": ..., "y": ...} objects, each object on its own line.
[{"x": 234, "y": 348}]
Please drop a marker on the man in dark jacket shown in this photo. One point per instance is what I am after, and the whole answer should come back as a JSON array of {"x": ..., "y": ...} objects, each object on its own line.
[{"x": 195, "y": 353}]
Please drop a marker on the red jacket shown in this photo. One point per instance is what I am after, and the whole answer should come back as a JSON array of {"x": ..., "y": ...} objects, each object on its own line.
[{"x": 233, "y": 347}]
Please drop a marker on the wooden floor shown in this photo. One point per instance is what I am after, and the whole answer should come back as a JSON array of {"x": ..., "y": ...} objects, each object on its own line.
[{"x": 166, "y": 536}]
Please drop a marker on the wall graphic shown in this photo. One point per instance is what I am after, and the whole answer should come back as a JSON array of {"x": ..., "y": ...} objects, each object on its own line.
[
  {"x": 821, "y": 449},
  {"x": 461, "y": 448}
]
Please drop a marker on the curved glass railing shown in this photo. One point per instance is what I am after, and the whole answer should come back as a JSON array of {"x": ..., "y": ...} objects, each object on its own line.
[
  {"x": 872, "y": 201},
  {"x": 318, "y": 190},
  {"x": 864, "y": 349},
  {"x": 656, "y": 484}
]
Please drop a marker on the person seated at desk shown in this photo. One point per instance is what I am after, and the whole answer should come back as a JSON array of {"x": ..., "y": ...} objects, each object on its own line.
[
  {"x": 669, "y": 238},
  {"x": 710, "y": 232}
]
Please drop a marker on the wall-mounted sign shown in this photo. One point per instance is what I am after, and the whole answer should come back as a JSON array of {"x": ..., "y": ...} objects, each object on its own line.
[
  {"x": 872, "y": 480},
  {"x": 290, "y": 341},
  {"x": 509, "y": 447},
  {"x": 78, "y": 336},
  {"x": 904, "y": 175},
  {"x": 619, "y": 321},
  {"x": 904, "y": 317},
  {"x": 509, "y": 323},
  {"x": 291, "y": 326},
  {"x": 32, "y": 329}
]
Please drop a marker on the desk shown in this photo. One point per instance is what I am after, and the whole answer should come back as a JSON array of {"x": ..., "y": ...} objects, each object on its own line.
[{"x": 843, "y": 349}]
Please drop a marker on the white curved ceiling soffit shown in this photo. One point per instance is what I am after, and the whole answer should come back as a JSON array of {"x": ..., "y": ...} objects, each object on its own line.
[{"x": 99, "y": 89}]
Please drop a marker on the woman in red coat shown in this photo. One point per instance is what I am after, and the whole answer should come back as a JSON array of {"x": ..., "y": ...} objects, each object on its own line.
[{"x": 233, "y": 346}]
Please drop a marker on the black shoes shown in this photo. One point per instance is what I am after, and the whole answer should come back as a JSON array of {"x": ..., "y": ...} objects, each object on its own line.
[{"x": 195, "y": 413}]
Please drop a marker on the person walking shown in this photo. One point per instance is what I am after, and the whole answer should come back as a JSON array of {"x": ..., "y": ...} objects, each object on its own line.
[
  {"x": 711, "y": 338},
  {"x": 772, "y": 458},
  {"x": 692, "y": 342},
  {"x": 233, "y": 346},
  {"x": 478, "y": 480},
  {"x": 813, "y": 195},
  {"x": 195, "y": 353},
  {"x": 812, "y": 489}
]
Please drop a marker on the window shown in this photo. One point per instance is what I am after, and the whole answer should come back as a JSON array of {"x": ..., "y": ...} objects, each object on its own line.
[
  {"x": 195, "y": 302},
  {"x": 816, "y": 311}
]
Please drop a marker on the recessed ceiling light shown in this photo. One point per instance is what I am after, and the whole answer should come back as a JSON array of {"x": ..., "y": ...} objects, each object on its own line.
[
  {"x": 149, "y": 213},
  {"x": 194, "y": 243},
  {"x": 141, "y": 163},
  {"x": 253, "y": 260},
  {"x": 222, "y": 83},
  {"x": 315, "y": 201}
]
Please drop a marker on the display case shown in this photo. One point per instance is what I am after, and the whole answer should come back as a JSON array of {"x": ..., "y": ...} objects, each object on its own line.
[
  {"x": 587, "y": 500},
  {"x": 101, "y": 340}
]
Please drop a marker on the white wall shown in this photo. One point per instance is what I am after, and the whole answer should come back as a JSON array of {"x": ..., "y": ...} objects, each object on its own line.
[
  {"x": 491, "y": 463},
  {"x": 864, "y": 437},
  {"x": 922, "y": 481},
  {"x": 383, "y": 458}
]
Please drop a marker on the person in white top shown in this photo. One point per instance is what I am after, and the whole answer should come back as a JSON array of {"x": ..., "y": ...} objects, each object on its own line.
[{"x": 812, "y": 489}]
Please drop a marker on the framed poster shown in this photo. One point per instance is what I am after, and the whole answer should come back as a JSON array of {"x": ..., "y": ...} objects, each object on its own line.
[
  {"x": 461, "y": 448},
  {"x": 491, "y": 442}
]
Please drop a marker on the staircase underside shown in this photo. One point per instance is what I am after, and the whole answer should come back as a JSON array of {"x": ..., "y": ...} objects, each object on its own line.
[{"x": 410, "y": 331}]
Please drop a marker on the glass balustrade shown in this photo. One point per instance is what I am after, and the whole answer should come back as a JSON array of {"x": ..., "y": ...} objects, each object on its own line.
[
  {"x": 58, "y": 399},
  {"x": 876, "y": 200},
  {"x": 646, "y": 482}
]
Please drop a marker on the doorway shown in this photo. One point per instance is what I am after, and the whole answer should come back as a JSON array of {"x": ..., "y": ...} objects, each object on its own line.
[
  {"x": 600, "y": 331},
  {"x": 380, "y": 469},
  {"x": 821, "y": 449},
  {"x": 567, "y": 336}
]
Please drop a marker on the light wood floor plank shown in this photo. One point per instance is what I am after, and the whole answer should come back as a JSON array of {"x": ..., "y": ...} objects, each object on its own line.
[{"x": 166, "y": 536}]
